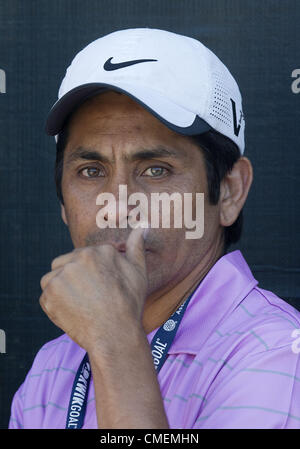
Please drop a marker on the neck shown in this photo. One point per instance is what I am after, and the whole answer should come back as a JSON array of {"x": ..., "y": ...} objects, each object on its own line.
[{"x": 159, "y": 307}]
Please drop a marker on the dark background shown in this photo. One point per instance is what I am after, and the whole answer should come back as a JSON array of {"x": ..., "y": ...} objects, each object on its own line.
[{"x": 257, "y": 39}]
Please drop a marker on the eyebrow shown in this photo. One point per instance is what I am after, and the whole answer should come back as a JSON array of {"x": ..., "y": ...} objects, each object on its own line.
[{"x": 144, "y": 154}]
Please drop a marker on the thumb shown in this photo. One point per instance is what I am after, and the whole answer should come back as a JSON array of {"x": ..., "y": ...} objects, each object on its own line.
[{"x": 135, "y": 250}]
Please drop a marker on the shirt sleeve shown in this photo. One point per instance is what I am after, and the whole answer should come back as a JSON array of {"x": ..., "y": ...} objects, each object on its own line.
[
  {"x": 25, "y": 391},
  {"x": 261, "y": 391},
  {"x": 16, "y": 417}
]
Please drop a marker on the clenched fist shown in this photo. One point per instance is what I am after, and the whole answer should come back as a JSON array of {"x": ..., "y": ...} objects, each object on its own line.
[{"x": 96, "y": 294}]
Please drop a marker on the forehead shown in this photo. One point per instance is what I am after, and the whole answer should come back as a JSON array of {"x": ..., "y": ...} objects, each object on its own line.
[
  {"x": 111, "y": 118},
  {"x": 111, "y": 109}
]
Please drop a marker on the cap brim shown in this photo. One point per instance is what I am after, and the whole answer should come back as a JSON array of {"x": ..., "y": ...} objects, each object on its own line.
[{"x": 172, "y": 115}]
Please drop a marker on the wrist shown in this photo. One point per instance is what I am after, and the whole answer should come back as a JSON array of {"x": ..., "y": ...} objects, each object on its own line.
[
  {"x": 126, "y": 387},
  {"x": 127, "y": 341}
]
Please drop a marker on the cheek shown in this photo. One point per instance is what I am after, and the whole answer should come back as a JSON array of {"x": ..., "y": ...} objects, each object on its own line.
[
  {"x": 173, "y": 257},
  {"x": 164, "y": 260},
  {"x": 168, "y": 249},
  {"x": 211, "y": 218},
  {"x": 81, "y": 210},
  {"x": 211, "y": 212}
]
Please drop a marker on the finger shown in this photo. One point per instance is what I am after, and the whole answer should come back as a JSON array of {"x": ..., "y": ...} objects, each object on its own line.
[
  {"x": 44, "y": 305},
  {"x": 135, "y": 249},
  {"x": 48, "y": 276},
  {"x": 42, "y": 302}
]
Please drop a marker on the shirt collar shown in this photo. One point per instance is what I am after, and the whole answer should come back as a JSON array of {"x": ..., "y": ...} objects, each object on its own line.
[{"x": 225, "y": 285}]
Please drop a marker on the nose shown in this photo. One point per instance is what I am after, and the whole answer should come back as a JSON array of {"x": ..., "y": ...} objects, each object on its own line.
[{"x": 118, "y": 206}]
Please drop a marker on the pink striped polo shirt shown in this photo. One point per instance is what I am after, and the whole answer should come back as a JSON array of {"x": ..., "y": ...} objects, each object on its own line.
[{"x": 234, "y": 362}]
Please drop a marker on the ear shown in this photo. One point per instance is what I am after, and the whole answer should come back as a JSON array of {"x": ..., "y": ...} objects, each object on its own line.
[
  {"x": 234, "y": 190},
  {"x": 63, "y": 214}
]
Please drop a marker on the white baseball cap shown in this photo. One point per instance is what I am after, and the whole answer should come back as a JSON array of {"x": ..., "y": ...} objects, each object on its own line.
[{"x": 175, "y": 77}]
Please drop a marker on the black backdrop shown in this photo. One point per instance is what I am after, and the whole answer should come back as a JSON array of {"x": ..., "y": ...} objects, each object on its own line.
[{"x": 257, "y": 39}]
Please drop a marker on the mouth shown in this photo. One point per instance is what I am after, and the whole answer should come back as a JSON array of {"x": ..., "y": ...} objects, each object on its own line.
[{"x": 121, "y": 247}]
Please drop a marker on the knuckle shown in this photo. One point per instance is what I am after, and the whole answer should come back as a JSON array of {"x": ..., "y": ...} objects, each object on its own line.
[
  {"x": 44, "y": 303},
  {"x": 68, "y": 269},
  {"x": 48, "y": 302},
  {"x": 42, "y": 299},
  {"x": 43, "y": 281},
  {"x": 54, "y": 263}
]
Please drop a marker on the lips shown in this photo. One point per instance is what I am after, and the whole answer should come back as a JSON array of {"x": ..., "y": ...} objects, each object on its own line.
[{"x": 121, "y": 246}]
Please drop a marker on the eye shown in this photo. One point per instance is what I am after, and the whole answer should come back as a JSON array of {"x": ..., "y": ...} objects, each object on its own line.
[
  {"x": 155, "y": 172},
  {"x": 91, "y": 172}
]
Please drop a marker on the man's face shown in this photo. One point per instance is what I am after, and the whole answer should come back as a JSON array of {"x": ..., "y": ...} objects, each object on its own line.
[{"x": 113, "y": 141}]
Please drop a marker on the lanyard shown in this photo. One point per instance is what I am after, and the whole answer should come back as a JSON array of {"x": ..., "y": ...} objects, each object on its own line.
[{"x": 160, "y": 344}]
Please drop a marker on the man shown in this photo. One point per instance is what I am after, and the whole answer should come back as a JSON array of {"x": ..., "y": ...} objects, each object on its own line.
[{"x": 160, "y": 330}]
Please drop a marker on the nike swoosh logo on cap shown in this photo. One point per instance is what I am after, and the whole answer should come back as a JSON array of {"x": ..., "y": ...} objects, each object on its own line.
[{"x": 108, "y": 65}]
